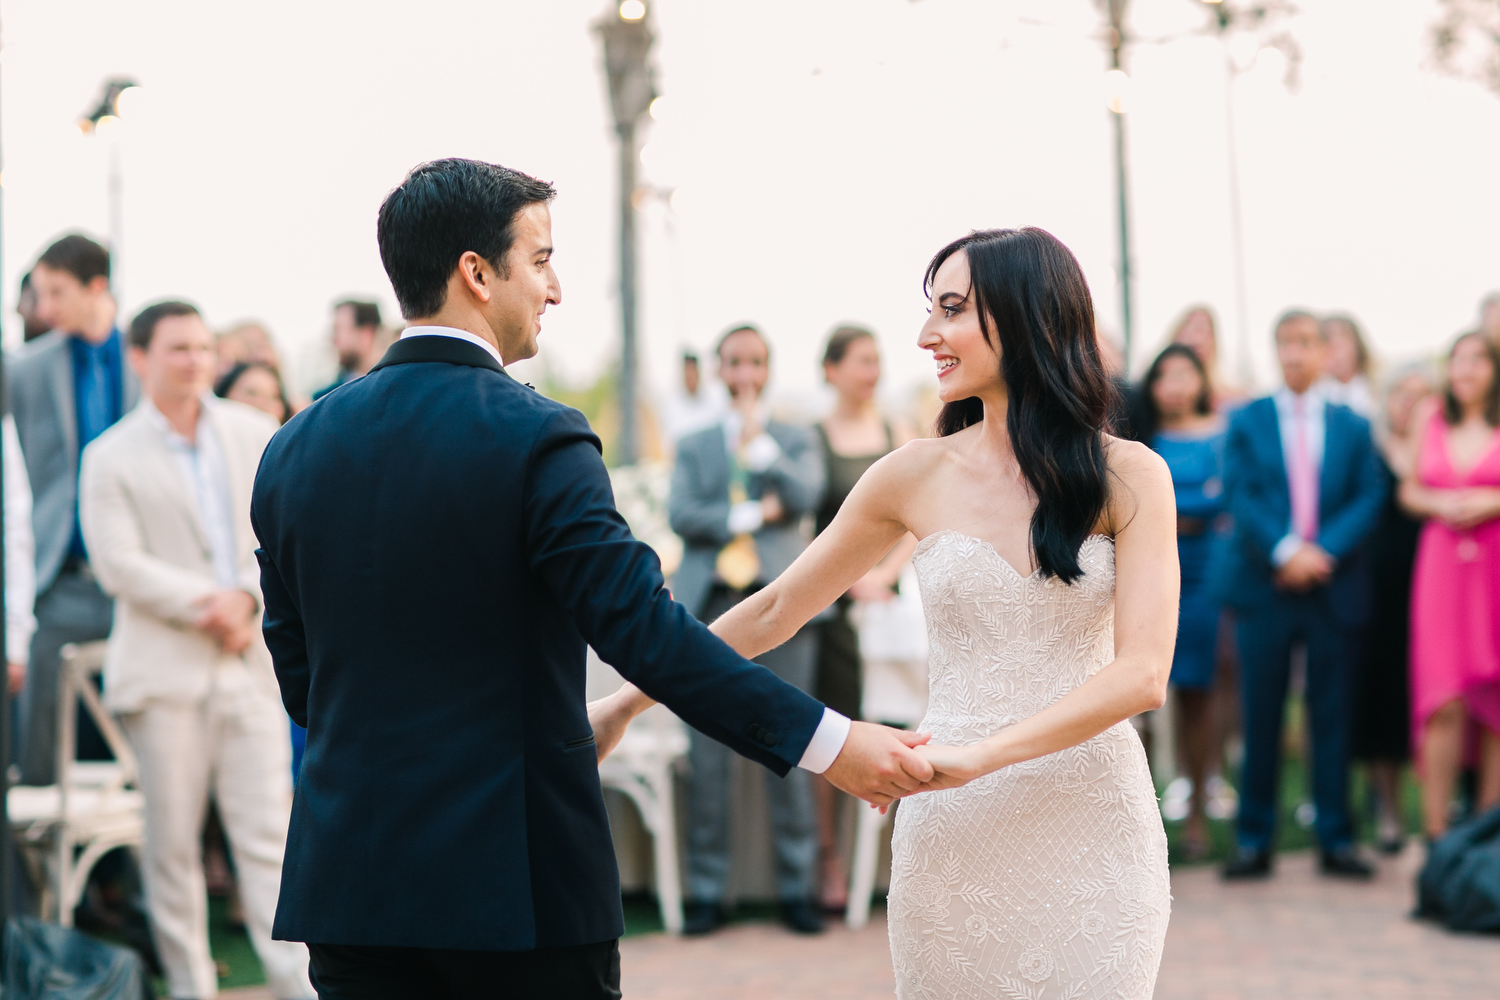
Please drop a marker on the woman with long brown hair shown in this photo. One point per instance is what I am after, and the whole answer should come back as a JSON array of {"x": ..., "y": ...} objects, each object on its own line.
[{"x": 1048, "y": 568}]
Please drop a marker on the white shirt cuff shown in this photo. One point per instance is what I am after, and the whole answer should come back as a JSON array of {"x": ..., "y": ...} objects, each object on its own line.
[
  {"x": 827, "y": 742},
  {"x": 746, "y": 517},
  {"x": 1285, "y": 549}
]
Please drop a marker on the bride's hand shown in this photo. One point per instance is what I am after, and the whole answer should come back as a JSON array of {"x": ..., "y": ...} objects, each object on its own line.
[
  {"x": 953, "y": 766},
  {"x": 609, "y": 719}
]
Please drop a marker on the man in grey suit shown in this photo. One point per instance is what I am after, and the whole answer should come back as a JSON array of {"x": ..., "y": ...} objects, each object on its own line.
[
  {"x": 740, "y": 491},
  {"x": 65, "y": 389}
]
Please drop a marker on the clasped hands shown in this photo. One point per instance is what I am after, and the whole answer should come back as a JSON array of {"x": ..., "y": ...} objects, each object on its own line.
[
  {"x": 877, "y": 763},
  {"x": 1463, "y": 509},
  {"x": 228, "y": 616},
  {"x": 1310, "y": 566}
]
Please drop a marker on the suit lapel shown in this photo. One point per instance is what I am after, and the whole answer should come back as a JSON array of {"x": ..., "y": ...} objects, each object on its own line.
[
  {"x": 716, "y": 463},
  {"x": 1334, "y": 431},
  {"x": 161, "y": 464},
  {"x": 1275, "y": 455},
  {"x": 63, "y": 397},
  {"x": 232, "y": 452}
]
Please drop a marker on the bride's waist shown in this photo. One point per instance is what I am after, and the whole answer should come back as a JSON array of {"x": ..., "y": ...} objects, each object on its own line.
[{"x": 957, "y": 728}]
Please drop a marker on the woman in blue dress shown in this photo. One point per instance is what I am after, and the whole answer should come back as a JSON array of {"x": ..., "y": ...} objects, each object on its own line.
[{"x": 1189, "y": 435}]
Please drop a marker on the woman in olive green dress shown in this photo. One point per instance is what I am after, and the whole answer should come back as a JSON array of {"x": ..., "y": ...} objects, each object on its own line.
[{"x": 854, "y": 437}]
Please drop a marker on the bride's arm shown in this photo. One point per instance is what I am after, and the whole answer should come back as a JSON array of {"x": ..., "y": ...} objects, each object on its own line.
[
  {"x": 1143, "y": 513},
  {"x": 868, "y": 525}
]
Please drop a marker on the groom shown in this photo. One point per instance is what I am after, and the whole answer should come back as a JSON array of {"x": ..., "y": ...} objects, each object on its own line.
[{"x": 438, "y": 543}]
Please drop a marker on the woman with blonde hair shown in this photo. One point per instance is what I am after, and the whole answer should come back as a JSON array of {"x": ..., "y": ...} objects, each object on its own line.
[{"x": 1198, "y": 330}]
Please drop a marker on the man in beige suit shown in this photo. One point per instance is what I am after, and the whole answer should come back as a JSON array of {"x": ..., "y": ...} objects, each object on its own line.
[{"x": 165, "y": 508}]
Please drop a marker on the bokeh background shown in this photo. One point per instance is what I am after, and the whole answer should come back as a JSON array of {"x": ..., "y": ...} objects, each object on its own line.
[{"x": 816, "y": 154}]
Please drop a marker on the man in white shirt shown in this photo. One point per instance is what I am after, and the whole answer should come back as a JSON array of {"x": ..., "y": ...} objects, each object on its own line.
[{"x": 165, "y": 508}]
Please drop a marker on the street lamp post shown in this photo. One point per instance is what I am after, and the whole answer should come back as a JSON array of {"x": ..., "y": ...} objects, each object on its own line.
[
  {"x": 1115, "y": 12},
  {"x": 627, "y": 45},
  {"x": 104, "y": 118}
]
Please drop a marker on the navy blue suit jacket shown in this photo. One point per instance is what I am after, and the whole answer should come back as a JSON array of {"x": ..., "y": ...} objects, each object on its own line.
[
  {"x": 1351, "y": 495},
  {"x": 437, "y": 544}
]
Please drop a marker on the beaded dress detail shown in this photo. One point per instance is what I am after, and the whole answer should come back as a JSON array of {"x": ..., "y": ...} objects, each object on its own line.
[{"x": 1046, "y": 880}]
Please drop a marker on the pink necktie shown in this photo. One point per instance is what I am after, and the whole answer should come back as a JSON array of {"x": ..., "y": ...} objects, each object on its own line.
[{"x": 1303, "y": 481}]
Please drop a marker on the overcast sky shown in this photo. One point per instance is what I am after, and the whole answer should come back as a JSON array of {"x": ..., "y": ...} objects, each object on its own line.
[{"x": 821, "y": 151}]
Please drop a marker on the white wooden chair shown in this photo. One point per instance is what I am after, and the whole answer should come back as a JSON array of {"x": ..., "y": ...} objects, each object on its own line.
[
  {"x": 642, "y": 767},
  {"x": 64, "y": 829}
]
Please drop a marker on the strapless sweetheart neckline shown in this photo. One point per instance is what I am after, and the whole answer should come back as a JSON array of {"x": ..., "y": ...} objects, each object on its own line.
[{"x": 923, "y": 546}]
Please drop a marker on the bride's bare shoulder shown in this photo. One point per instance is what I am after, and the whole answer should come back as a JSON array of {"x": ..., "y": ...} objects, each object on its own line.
[{"x": 1140, "y": 479}]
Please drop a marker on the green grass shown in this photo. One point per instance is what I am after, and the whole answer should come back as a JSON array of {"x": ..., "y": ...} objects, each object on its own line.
[{"x": 1290, "y": 834}]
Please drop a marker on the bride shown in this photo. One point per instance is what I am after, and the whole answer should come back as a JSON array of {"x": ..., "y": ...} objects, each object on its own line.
[{"x": 1036, "y": 867}]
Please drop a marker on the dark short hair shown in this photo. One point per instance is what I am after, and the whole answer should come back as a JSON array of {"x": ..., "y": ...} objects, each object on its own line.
[
  {"x": 840, "y": 340},
  {"x": 366, "y": 314},
  {"x": 79, "y": 256},
  {"x": 1292, "y": 316},
  {"x": 1452, "y": 412},
  {"x": 443, "y": 210},
  {"x": 740, "y": 328},
  {"x": 25, "y": 282},
  {"x": 226, "y": 382},
  {"x": 143, "y": 327}
]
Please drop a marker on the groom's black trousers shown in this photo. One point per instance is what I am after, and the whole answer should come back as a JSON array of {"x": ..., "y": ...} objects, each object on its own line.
[{"x": 353, "y": 972}]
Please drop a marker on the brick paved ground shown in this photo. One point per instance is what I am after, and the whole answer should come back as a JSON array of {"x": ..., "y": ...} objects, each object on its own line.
[{"x": 1296, "y": 937}]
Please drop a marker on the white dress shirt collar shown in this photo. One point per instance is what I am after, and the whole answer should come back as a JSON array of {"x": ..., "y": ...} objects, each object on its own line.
[
  {"x": 205, "y": 472},
  {"x": 456, "y": 334}
]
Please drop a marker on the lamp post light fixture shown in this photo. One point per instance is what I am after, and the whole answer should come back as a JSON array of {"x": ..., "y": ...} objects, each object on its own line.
[
  {"x": 627, "y": 37},
  {"x": 102, "y": 121},
  {"x": 1117, "y": 84}
]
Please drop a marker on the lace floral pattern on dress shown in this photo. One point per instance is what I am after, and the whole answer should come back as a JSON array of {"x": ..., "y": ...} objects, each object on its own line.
[{"x": 1046, "y": 880}]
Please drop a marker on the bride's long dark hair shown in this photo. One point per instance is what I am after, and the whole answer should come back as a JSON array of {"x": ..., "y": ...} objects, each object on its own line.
[{"x": 1031, "y": 294}]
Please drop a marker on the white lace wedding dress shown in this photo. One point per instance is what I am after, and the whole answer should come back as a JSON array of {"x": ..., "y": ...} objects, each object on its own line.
[{"x": 1046, "y": 880}]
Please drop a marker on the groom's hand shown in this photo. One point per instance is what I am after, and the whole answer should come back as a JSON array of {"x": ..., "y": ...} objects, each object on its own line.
[{"x": 878, "y": 764}]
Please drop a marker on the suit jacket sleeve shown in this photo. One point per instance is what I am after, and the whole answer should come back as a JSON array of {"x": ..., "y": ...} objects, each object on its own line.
[
  {"x": 1246, "y": 490},
  {"x": 117, "y": 547},
  {"x": 696, "y": 511},
  {"x": 281, "y": 616},
  {"x": 1352, "y": 523},
  {"x": 581, "y": 549},
  {"x": 800, "y": 473}
]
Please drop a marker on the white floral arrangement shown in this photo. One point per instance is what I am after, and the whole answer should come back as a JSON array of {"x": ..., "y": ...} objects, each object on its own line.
[{"x": 641, "y": 497}]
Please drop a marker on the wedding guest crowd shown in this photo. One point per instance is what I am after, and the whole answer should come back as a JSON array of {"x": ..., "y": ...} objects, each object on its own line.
[
  {"x": 1348, "y": 522},
  {"x": 1351, "y": 529}
]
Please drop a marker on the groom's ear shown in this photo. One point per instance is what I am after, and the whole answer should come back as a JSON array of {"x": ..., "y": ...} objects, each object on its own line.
[{"x": 474, "y": 276}]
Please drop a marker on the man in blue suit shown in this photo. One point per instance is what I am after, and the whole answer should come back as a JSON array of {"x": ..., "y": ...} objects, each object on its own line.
[
  {"x": 438, "y": 543},
  {"x": 1304, "y": 486}
]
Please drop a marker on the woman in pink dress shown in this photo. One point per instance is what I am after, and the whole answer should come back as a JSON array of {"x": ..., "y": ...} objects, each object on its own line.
[{"x": 1455, "y": 606}]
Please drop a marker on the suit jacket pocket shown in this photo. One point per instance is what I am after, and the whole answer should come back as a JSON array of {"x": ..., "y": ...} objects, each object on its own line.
[{"x": 580, "y": 742}]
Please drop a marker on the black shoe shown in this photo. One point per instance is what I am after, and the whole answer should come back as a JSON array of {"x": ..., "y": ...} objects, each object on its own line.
[
  {"x": 1248, "y": 863},
  {"x": 702, "y": 918},
  {"x": 1345, "y": 862},
  {"x": 802, "y": 917}
]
